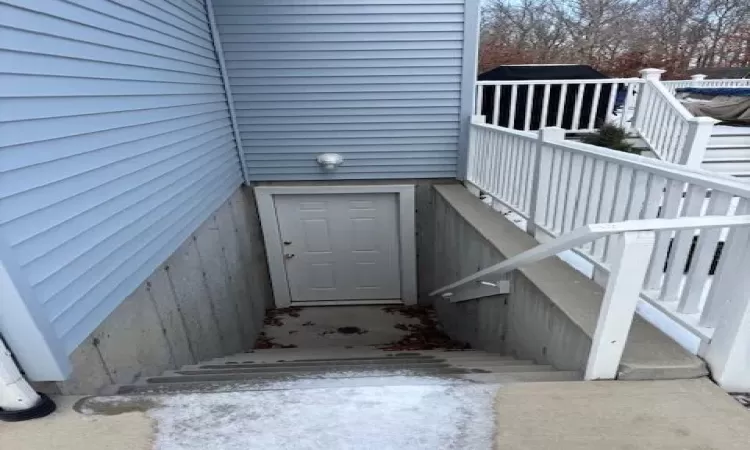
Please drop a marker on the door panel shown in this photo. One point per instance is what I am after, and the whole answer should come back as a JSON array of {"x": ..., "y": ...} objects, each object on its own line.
[{"x": 340, "y": 247}]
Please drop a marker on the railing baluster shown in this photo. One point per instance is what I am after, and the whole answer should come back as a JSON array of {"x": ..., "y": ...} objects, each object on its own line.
[
  {"x": 513, "y": 98},
  {"x": 496, "y": 105},
  {"x": 561, "y": 105},
  {"x": 606, "y": 205},
  {"x": 669, "y": 210},
  {"x": 681, "y": 244},
  {"x": 529, "y": 103},
  {"x": 594, "y": 106},
  {"x": 703, "y": 256},
  {"x": 609, "y": 112},
  {"x": 480, "y": 100},
  {"x": 577, "y": 108},
  {"x": 545, "y": 107}
]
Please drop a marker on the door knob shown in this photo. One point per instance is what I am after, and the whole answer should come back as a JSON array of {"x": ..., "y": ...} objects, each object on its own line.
[{"x": 288, "y": 255}]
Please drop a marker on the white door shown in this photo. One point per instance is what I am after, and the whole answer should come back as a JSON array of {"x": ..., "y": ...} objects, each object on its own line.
[{"x": 340, "y": 246}]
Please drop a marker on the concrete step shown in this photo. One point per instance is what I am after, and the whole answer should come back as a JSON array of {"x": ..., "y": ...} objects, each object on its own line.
[{"x": 335, "y": 367}]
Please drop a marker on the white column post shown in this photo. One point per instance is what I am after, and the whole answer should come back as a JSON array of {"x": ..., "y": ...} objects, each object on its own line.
[
  {"x": 696, "y": 141},
  {"x": 728, "y": 352},
  {"x": 632, "y": 251},
  {"x": 649, "y": 76},
  {"x": 540, "y": 184},
  {"x": 697, "y": 77}
]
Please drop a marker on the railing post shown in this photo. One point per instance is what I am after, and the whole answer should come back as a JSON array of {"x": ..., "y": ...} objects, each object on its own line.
[
  {"x": 727, "y": 352},
  {"x": 540, "y": 184},
  {"x": 696, "y": 141},
  {"x": 632, "y": 250},
  {"x": 471, "y": 150},
  {"x": 697, "y": 77},
  {"x": 647, "y": 75}
]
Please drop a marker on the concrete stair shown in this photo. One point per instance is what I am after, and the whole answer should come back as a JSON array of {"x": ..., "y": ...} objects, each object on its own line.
[{"x": 344, "y": 367}]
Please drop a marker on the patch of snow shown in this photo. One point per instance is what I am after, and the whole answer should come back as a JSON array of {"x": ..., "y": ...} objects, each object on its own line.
[{"x": 426, "y": 416}]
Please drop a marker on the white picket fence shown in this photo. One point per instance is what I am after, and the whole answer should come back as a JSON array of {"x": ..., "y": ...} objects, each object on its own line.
[
  {"x": 576, "y": 105},
  {"x": 559, "y": 186}
]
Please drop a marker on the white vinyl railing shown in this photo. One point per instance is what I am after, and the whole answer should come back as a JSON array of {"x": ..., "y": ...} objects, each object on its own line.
[
  {"x": 633, "y": 242},
  {"x": 559, "y": 185},
  {"x": 670, "y": 130},
  {"x": 699, "y": 81},
  {"x": 576, "y": 105}
]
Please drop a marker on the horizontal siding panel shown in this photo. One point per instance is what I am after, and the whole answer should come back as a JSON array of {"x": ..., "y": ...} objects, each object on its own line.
[
  {"x": 363, "y": 148},
  {"x": 371, "y": 87},
  {"x": 288, "y": 129},
  {"x": 50, "y": 65},
  {"x": 361, "y": 134},
  {"x": 116, "y": 144},
  {"x": 71, "y": 38},
  {"x": 24, "y": 132},
  {"x": 46, "y": 107},
  {"x": 339, "y": 19},
  {"x": 339, "y": 46},
  {"x": 257, "y": 39},
  {"x": 356, "y": 104},
  {"x": 240, "y": 74},
  {"x": 323, "y": 176},
  {"x": 282, "y": 142},
  {"x": 425, "y": 64},
  {"x": 12, "y": 85},
  {"x": 386, "y": 112},
  {"x": 20, "y": 156},
  {"x": 90, "y": 14},
  {"x": 330, "y": 121},
  {"x": 303, "y": 28},
  {"x": 364, "y": 53},
  {"x": 291, "y": 99},
  {"x": 266, "y": 159},
  {"x": 226, "y": 3},
  {"x": 310, "y": 163},
  {"x": 244, "y": 12},
  {"x": 372, "y": 171}
]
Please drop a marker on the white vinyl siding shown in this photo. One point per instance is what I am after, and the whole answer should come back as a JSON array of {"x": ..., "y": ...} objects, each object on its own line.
[
  {"x": 115, "y": 144},
  {"x": 378, "y": 81}
]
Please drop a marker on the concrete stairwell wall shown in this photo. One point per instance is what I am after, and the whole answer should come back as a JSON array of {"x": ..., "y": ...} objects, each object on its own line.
[
  {"x": 550, "y": 314},
  {"x": 208, "y": 299}
]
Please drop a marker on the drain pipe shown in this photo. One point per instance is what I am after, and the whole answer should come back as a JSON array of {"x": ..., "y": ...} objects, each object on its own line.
[{"x": 18, "y": 400}]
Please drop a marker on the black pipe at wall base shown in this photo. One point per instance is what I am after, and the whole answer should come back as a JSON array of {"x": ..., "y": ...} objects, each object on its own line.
[{"x": 43, "y": 408}]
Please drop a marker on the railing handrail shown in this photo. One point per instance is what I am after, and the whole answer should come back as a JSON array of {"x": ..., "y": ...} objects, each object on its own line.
[
  {"x": 591, "y": 232},
  {"x": 706, "y": 178},
  {"x": 707, "y": 81},
  {"x": 543, "y": 82}
]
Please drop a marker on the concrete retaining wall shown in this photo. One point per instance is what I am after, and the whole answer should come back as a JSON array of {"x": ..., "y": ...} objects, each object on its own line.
[
  {"x": 207, "y": 300},
  {"x": 551, "y": 312}
]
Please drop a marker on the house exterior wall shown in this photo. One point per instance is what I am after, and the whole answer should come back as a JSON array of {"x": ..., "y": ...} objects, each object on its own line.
[
  {"x": 115, "y": 145},
  {"x": 207, "y": 300},
  {"x": 383, "y": 82}
]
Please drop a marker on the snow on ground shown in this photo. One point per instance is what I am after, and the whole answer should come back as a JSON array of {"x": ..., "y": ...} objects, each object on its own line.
[{"x": 426, "y": 416}]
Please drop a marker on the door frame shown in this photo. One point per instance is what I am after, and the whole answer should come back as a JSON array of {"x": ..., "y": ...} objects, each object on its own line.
[{"x": 264, "y": 197}]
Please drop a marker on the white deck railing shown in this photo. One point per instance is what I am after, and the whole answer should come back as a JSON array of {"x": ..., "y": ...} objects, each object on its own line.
[
  {"x": 576, "y": 105},
  {"x": 670, "y": 130},
  {"x": 634, "y": 242},
  {"x": 559, "y": 186},
  {"x": 673, "y": 85}
]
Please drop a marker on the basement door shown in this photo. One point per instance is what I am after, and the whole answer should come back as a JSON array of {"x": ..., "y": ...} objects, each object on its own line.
[{"x": 340, "y": 247}]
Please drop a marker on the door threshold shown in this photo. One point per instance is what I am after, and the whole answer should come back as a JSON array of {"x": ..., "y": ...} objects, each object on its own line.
[{"x": 347, "y": 303}]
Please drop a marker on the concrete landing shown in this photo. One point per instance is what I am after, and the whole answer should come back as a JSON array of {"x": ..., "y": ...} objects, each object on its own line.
[
  {"x": 654, "y": 415},
  {"x": 335, "y": 326}
]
